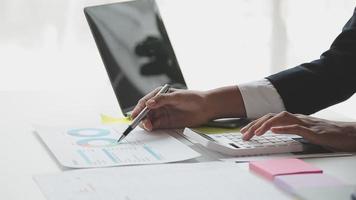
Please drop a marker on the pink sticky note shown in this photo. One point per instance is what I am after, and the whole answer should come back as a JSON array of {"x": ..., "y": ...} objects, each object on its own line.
[
  {"x": 271, "y": 168},
  {"x": 292, "y": 183}
]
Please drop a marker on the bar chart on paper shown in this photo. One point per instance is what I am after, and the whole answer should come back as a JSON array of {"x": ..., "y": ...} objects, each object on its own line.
[{"x": 97, "y": 147}]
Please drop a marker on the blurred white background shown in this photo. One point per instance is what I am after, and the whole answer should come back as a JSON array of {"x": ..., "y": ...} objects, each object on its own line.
[{"x": 47, "y": 44}]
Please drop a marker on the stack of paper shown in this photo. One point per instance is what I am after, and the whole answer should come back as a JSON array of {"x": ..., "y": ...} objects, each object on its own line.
[{"x": 206, "y": 181}]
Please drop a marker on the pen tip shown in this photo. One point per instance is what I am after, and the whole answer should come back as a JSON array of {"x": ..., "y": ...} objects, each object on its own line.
[
  {"x": 122, "y": 137},
  {"x": 126, "y": 132}
]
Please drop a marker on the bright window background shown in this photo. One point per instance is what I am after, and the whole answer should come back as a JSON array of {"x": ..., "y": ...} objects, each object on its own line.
[{"x": 47, "y": 45}]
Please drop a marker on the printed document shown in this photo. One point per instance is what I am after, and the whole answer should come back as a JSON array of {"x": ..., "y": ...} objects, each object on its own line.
[{"x": 86, "y": 147}]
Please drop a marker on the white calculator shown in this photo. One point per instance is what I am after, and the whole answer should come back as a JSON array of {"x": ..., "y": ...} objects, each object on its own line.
[{"x": 232, "y": 143}]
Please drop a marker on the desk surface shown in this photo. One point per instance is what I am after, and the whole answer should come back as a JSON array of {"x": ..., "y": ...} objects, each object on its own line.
[{"x": 22, "y": 155}]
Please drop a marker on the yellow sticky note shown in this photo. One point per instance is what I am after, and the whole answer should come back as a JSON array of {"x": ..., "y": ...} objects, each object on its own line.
[{"x": 106, "y": 119}]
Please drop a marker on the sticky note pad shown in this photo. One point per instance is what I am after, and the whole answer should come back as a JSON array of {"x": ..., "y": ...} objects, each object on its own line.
[
  {"x": 106, "y": 119},
  {"x": 326, "y": 193},
  {"x": 276, "y": 167},
  {"x": 295, "y": 182}
]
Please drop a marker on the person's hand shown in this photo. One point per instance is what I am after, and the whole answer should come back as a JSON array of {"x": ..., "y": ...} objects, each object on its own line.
[
  {"x": 336, "y": 135},
  {"x": 187, "y": 108},
  {"x": 175, "y": 109}
]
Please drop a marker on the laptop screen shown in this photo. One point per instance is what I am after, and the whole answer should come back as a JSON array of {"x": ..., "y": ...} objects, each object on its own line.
[{"x": 135, "y": 49}]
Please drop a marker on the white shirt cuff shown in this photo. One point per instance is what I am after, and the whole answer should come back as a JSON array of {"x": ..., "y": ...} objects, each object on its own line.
[{"x": 260, "y": 98}]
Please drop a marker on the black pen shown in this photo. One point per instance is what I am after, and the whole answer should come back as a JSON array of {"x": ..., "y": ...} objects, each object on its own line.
[{"x": 141, "y": 115}]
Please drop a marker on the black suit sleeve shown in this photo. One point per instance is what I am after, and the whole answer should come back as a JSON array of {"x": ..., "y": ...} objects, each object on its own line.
[{"x": 329, "y": 80}]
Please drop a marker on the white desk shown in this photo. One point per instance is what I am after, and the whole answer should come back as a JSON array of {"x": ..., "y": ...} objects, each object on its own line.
[
  {"x": 22, "y": 155},
  {"x": 47, "y": 44}
]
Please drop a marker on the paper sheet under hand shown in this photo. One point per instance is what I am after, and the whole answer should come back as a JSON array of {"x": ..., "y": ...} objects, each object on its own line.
[{"x": 87, "y": 147}]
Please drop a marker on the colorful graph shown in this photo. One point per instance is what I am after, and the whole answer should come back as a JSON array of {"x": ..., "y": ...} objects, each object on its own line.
[{"x": 93, "y": 137}]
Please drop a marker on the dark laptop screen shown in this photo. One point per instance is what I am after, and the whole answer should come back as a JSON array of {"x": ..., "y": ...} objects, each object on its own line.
[{"x": 135, "y": 49}]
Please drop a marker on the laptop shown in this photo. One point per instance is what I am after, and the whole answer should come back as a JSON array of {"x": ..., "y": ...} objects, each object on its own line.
[{"x": 135, "y": 48}]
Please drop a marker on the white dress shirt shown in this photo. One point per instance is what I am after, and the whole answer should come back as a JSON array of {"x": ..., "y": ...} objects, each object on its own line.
[{"x": 260, "y": 98}]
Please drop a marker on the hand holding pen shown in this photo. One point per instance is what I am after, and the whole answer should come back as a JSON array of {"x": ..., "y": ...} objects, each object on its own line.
[
  {"x": 177, "y": 108},
  {"x": 141, "y": 115}
]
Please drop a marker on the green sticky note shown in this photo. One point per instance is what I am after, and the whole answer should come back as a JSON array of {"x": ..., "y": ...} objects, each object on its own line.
[
  {"x": 106, "y": 119},
  {"x": 214, "y": 130}
]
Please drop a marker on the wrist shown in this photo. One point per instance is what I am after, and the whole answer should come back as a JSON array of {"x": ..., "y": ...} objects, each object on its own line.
[
  {"x": 349, "y": 127},
  {"x": 224, "y": 102}
]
